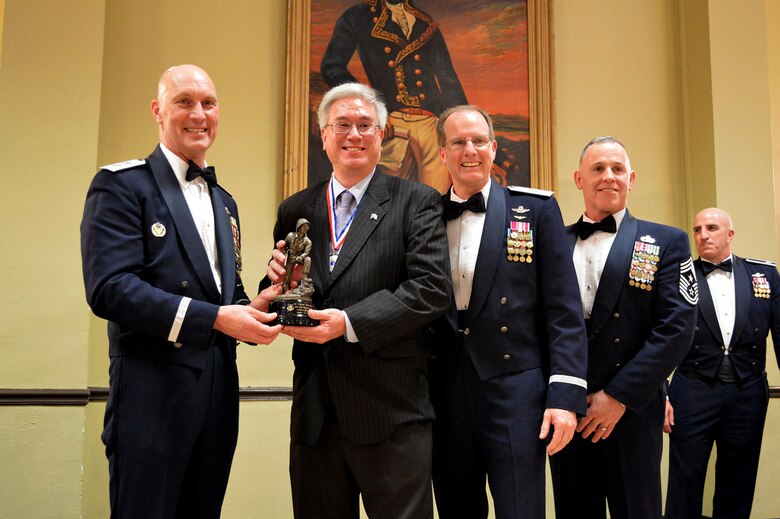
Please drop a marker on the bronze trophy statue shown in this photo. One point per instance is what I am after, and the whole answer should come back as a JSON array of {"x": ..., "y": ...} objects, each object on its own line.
[{"x": 292, "y": 306}]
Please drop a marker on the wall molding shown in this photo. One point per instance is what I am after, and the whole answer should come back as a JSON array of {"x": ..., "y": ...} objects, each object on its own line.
[{"x": 82, "y": 397}]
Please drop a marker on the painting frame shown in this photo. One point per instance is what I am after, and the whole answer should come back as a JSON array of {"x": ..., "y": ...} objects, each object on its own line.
[{"x": 541, "y": 90}]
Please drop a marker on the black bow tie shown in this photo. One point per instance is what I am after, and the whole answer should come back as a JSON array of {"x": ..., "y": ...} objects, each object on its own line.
[
  {"x": 708, "y": 267},
  {"x": 208, "y": 174},
  {"x": 585, "y": 229},
  {"x": 453, "y": 209}
]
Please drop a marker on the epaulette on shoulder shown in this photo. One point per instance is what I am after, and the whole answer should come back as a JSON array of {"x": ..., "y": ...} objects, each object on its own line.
[
  {"x": 760, "y": 262},
  {"x": 121, "y": 166},
  {"x": 531, "y": 191}
]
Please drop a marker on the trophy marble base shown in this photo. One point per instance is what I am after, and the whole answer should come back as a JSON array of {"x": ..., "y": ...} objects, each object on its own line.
[{"x": 292, "y": 311}]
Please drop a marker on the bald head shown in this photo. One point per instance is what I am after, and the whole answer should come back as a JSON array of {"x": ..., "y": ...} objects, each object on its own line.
[
  {"x": 178, "y": 74},
  {"x": 713, "y": 232},
  {"x": 187, "y": 112}
]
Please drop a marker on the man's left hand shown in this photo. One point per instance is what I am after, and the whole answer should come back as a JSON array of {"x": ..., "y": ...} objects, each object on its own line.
[
  {"x": 332, "y": 325},
  {"x": 563, "y": 423},
  {"x": 604, "y": 412},
  {"x": 264, "y": 298}
]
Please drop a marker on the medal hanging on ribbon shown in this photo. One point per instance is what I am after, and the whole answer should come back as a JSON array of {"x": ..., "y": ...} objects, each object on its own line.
[{"x": 336, "y": 237}]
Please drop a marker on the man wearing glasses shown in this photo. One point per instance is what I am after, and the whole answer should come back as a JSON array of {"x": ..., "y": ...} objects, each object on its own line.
[
  {"x": 361, "y": 413},
  {"x": 509, "y": 362}
]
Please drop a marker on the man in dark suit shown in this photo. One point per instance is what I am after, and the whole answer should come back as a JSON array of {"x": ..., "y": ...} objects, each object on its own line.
[
  {"x": 406, "y": 58},
  {"x": 161, "y": 257},
  {"x": 509, "y": 361},
  {"x": 361, "y": 411},
  {"x": 719, "y": 394},
  {"x": 638, "y": 294}
]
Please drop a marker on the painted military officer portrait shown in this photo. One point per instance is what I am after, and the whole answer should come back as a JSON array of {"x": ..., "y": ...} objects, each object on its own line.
[{"x": 425, "y": 56}]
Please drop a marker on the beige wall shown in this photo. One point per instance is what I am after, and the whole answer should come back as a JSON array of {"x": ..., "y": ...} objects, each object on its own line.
[{"x": 692, "y": 88}]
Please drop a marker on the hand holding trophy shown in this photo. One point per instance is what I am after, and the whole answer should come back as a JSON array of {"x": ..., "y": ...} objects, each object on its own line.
[{"x": 293, "y": 305}]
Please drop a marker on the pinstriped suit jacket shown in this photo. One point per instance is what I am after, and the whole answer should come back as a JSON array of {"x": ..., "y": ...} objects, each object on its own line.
[{"x": 391, "y": 278}]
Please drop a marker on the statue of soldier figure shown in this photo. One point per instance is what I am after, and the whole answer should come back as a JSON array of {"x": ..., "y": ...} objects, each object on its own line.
[{"x": 297, "y": 249}]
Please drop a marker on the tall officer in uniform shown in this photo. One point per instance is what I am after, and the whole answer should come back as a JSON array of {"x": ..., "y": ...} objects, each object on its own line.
[
  {"x": 361, "y": 413},
  {"x": 406, "y": 58},
  {"x": 161, "y": 258},
  {"x": 509, "y": 361},
  {"x": 639, "y": 295},
  {"x": 720, "y": 393}
]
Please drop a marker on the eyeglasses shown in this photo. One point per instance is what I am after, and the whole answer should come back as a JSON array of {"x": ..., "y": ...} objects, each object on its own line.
[
  {"x": 480, "y": 143},
  {"x": 362, "y": 128}
]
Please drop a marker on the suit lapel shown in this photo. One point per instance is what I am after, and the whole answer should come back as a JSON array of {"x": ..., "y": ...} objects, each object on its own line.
[
  {"x": 613, "y": 279},
  {"x": 320, "y": 237},
  {"x": 742, "y": 293},
  {"x": 706, "y": 305},
  {"x": 226, "y": 247},
  {"x": 369, "y": 214},
  {"x": 182, "y": 218},
  {"x": 491, "y": 249}
]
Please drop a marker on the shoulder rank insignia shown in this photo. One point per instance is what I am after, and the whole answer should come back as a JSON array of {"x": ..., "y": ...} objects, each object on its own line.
[
  {"x": 530, "y": 191},
  {"x": 761, "y": 286},
  {"x": 647, "y": 239},
  {"x": 760, "y": 262},
  {"x": 520, "y": 242},
  {"x": 689, "y": 288},
  {"x": 121, "y": 166}
]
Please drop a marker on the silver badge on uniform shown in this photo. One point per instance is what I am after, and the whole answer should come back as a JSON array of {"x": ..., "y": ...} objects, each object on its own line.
[{"x": 158, "y": 230}]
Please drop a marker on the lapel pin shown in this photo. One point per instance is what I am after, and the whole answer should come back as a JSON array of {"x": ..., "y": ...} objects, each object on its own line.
[
  {"x": 373, "y": 216},
  {"x": 158, "y": 230}
]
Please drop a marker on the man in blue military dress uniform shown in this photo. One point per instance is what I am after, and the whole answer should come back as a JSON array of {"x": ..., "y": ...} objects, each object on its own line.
[
  {"x": 638, "y": 294},
  {"x": 405, "y": 57},
  {"x": 719, "y": 394},
  {"x": 161, "y": 256},
  {"x": 509, "y": 361}
]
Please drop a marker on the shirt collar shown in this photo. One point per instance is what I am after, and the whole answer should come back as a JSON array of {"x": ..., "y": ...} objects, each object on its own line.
[
  {"x": 179, "y": 167},
  {"x": 485, "y": 194},
  {"x": 617, "y": 216},
  {"x": 358, "y": 190}
]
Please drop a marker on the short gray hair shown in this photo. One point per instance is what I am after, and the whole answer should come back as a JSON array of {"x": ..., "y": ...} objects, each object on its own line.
[
  {"x": 601, "y": 140},
  {"x": 348, "y": 90}
]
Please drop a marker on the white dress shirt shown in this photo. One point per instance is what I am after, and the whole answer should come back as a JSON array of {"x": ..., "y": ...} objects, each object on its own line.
[
  {"x": 196, "y": 194},
  {"x": 465, "y": 235},
  {"x": 358, "y": 190},
  {"x": 589, "y": 258},
  {"x": 721, "y": 285}
]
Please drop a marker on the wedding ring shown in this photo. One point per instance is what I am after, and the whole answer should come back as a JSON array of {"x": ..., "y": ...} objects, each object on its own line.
[{"x": 602, "y": 428}]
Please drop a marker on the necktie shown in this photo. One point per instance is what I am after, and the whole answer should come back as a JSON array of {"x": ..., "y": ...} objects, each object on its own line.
[
  {"x": 585, "y": 229},
  {"x": 344, "y": 204},
  {"x": 708, "y": 267},
  {"x": 453, "y": 209},
  {"x": 208, "y": 174}
]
